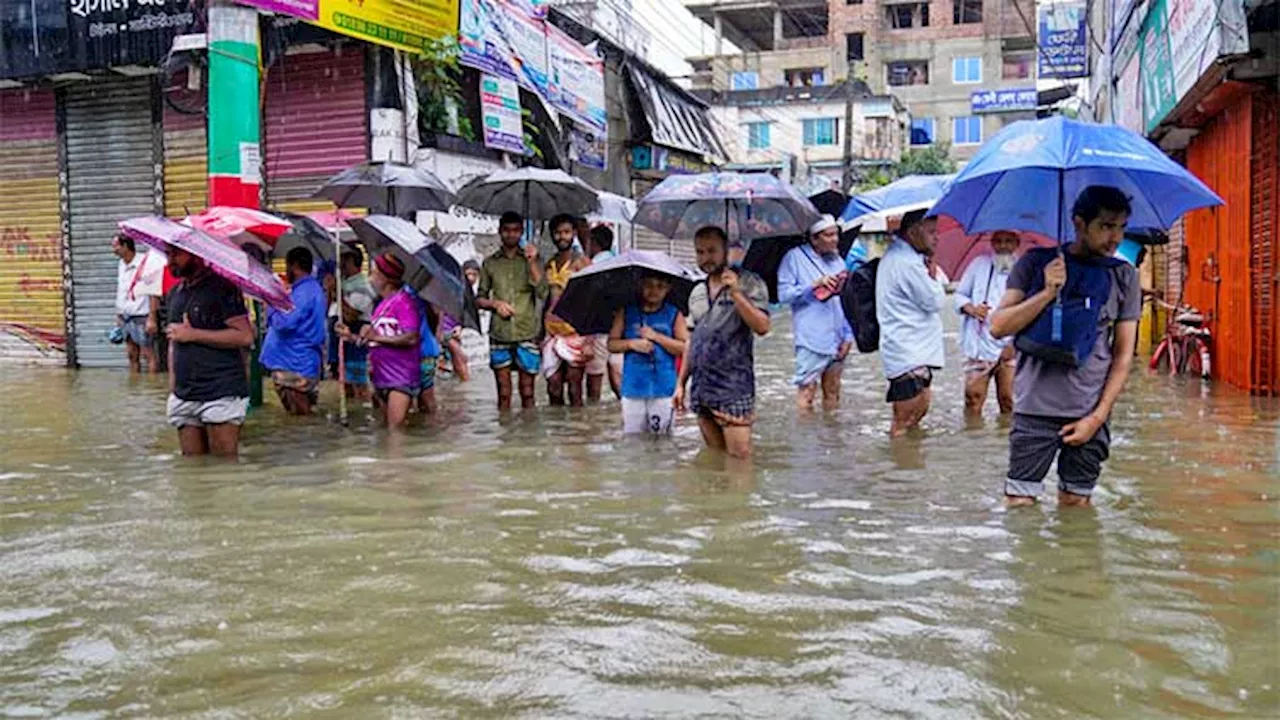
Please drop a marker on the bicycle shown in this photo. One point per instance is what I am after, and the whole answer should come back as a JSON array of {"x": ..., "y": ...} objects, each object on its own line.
[{"x": 1185, "y": 347}]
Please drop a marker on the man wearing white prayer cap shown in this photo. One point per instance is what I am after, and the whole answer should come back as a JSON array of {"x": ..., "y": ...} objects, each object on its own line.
[{"x": 809, "y": 280}]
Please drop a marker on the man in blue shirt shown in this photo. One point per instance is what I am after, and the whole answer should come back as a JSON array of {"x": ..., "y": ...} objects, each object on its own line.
[
  {"x": 908, "y": 304},
  {"x": 295, "y": 340},
  {"x": 809, "y": 280}
]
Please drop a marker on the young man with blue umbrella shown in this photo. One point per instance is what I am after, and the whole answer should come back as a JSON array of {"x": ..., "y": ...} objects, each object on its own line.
[{"x": 1062, "y": 410}]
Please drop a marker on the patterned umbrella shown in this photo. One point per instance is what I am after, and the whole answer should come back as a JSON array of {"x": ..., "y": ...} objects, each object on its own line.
[
  {"x": 747, "y": 206},
  {"x": 221, "y": 255},
  {"x": 387, "y": 187}
]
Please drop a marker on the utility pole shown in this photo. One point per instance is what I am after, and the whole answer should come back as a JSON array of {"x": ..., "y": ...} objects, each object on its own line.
[
  {"x": 235, "y": 156},
  {"x": 846, "y": 183}
]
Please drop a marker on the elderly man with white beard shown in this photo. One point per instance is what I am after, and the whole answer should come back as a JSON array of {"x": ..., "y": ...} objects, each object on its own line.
[{"x": 986, "y": 357}]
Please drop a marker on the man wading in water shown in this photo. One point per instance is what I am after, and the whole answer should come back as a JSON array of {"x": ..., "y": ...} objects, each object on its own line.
[
  {"x": 1060, "y": 410},
  {"x": 726, "y": 309},
  {"x": 511, "y": 284}
]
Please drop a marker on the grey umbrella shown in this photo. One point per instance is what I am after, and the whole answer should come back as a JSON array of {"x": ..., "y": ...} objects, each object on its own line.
[
  {"x": 387, "y": 187},
  {"x": 429, "y": 268},
  {"x": 306, "y": 233},
  {"x": 535, "y": 193}
]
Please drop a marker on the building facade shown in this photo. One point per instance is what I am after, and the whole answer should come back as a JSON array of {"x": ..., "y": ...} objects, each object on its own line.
[
  {"x": 1202, "y": 79},
  {"x": 963, "y": 70}
]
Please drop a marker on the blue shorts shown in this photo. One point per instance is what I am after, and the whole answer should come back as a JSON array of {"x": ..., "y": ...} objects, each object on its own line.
[
  {"x": 810, "y": 366},
  {"x": 427, "y": 373},
  {"x": 526, "y": 356},
  {"x": 355, "y": 362}
]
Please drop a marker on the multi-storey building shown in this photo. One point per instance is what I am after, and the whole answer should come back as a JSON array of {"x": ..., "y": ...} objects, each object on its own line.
[{"x": 963, "y": 68}]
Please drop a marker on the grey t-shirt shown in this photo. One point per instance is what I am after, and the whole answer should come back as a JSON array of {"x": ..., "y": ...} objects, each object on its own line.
[
  {"x": 722, "y": 346},
  {"x": 1056, "y": 390}
]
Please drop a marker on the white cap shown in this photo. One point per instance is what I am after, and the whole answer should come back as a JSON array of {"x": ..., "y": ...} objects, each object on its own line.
[{"x": 825, "y": 222}]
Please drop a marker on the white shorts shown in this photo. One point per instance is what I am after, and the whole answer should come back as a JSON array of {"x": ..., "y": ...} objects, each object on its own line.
[
  {"x": 647, "y": 415},
  {"x": 601, "y": 358},
  {"x": 197, "y": 413}
]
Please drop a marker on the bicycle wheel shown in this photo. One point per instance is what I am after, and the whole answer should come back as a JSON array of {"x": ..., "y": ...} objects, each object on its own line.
[
  {"x": 1161, "y": 357},
  {"x": 1199, "y": 363}
]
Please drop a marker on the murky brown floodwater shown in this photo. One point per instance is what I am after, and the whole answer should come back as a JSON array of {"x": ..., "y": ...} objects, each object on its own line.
[{"x": 545, "y": 567}]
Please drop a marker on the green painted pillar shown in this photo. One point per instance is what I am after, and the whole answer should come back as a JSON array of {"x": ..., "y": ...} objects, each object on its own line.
[{"x": 235, "y": 166}]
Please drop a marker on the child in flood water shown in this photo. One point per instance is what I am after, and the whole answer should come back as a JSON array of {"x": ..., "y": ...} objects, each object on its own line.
[{"x": 652, "y": 333}]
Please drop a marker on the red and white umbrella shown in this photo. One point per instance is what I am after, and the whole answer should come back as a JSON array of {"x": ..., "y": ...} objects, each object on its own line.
[{"x": 241, "y": 225}]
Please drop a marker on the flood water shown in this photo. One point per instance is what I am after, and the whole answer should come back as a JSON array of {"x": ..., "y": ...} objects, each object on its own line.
[{"x": 545, "y": 567}]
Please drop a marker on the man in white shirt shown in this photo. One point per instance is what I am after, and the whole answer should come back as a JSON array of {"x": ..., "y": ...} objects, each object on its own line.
[
  {"x": 977, "y": 295},
  {"x": 138, "y": 283},
  {"x": 908, "y": 305}
]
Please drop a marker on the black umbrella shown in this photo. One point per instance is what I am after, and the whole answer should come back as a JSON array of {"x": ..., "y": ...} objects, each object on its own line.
[
  {"x": 596, "y": 292},
  {"x": 387, "y": 187},
  {"x": 535, "y": 193},
  {"x": 429, "y": 268},
  {"x": 764, "y": 256},
  {"x": 306, "y": 233},
  {"x": 830, "y": 202}
]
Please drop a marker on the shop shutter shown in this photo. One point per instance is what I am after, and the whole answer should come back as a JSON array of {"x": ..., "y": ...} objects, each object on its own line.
[
  {"x": 1265, "y": 246},
  {"x": 316, "y": 124},
  {"x": 32, "y": 325},
  {"x": 110, "y": 177},
  {"x": 186, "y": 150}
]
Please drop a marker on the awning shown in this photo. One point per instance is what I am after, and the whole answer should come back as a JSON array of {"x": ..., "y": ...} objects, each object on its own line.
[{"x": 675, "y": 119}]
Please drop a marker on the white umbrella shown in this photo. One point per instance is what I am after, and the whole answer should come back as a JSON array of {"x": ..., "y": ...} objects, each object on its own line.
[{"x": 614, "y": 209}]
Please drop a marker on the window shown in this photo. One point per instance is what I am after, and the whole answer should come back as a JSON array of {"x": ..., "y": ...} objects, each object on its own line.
[
  {"x": 908, "y": 72},
  {"x": 966, "y": 12},
  {"x": 745, "y": 81},
  {"x": 922, "y": 131},
  {"x": 966, "y": 130},
  {"x": 1018, "y": 66},
  {"x": 966, "y": 70},
  {"x": 803, "y": 77},
  {"x": 853, "y": 46},
  {"x": 906, "y": 15},
  {"x": 758, "y": 136},
  {"x": 819, "y": 131}
]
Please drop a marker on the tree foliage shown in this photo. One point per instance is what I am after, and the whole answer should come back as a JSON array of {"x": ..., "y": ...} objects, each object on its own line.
[
  {"x": 436, "y": 71},
  {"x": 932, "y": 160}
]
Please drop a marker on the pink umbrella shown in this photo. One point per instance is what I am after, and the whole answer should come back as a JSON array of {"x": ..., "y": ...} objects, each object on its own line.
[
  {"x": 956, "y": 249},
  {"x": 221, "y": 256},
  {"x": 241, "y": 225}
]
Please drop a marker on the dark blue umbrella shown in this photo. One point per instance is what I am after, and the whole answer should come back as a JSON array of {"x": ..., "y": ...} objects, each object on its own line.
[
  {"x": 903, "y": 195},
  {"x": 747, "y": 206},
  {"x": 1029, "y": 174}
]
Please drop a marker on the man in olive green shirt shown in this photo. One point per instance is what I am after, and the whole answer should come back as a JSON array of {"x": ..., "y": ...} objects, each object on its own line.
[{"x": 511, "y": 284}]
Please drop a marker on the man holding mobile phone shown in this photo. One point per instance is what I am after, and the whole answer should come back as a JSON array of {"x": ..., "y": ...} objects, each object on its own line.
[{"x": 809, "y": 280}]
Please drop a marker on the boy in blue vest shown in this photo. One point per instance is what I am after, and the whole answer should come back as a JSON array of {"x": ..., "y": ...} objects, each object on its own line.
[
  {"x": 652, "y": 334},
  {"x": 1062, "y": 410}
]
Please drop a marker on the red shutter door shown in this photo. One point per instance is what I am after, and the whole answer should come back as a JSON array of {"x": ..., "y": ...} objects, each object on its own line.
[
  {"x": 316, "y": 123},
  {"x": 1265, "y": 246}
]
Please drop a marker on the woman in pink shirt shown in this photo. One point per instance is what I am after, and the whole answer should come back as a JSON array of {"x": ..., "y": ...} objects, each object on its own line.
[{"x": 392, "y": 336}]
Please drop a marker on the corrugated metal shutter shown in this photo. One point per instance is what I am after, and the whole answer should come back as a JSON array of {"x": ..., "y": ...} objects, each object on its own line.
[
  {"x": 1265, "y": 246},
  {"x": 32, "y": 325},
  {"x": 316, "y": 123},
  {"x": 186, "y": 150},
  {"x": 111, "y": 176}
]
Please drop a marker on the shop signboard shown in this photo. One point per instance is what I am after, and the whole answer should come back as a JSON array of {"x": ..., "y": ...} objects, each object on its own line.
[
  {"x": 504, "y": 39},
  {"x": 411, "y": 25},
  {"x": 1064, "y": 47},
  {"x": 1012, "y": 100},
  {"x": 1158, "y": 92},
  {"x": 576, "y": 82}
]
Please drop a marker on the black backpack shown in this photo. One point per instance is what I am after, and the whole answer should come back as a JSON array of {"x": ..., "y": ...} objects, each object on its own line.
[{"x": 858, "y": 299}]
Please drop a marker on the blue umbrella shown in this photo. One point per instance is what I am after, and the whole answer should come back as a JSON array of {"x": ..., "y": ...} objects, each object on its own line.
[
  {"x": 747, "y": 206},
  {"x": 1029, "y": 174},
  {"x": 908, "y": 193}
]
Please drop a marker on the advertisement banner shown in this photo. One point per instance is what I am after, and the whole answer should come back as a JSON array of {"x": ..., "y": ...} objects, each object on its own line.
[
  {"x": 502, "y": 38},
  {"x": 1064, "y": 47},
  {"x": 1129, "y": 98},
  {"x": 1013, "y": 100},
  {"x": 500, "y": 114},
  {"x": 588, "y": 147},
  {"x": 576, "y": 83},
  {"x": 1159, "y": 94},
  {"x": 403, "y": 24}
]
